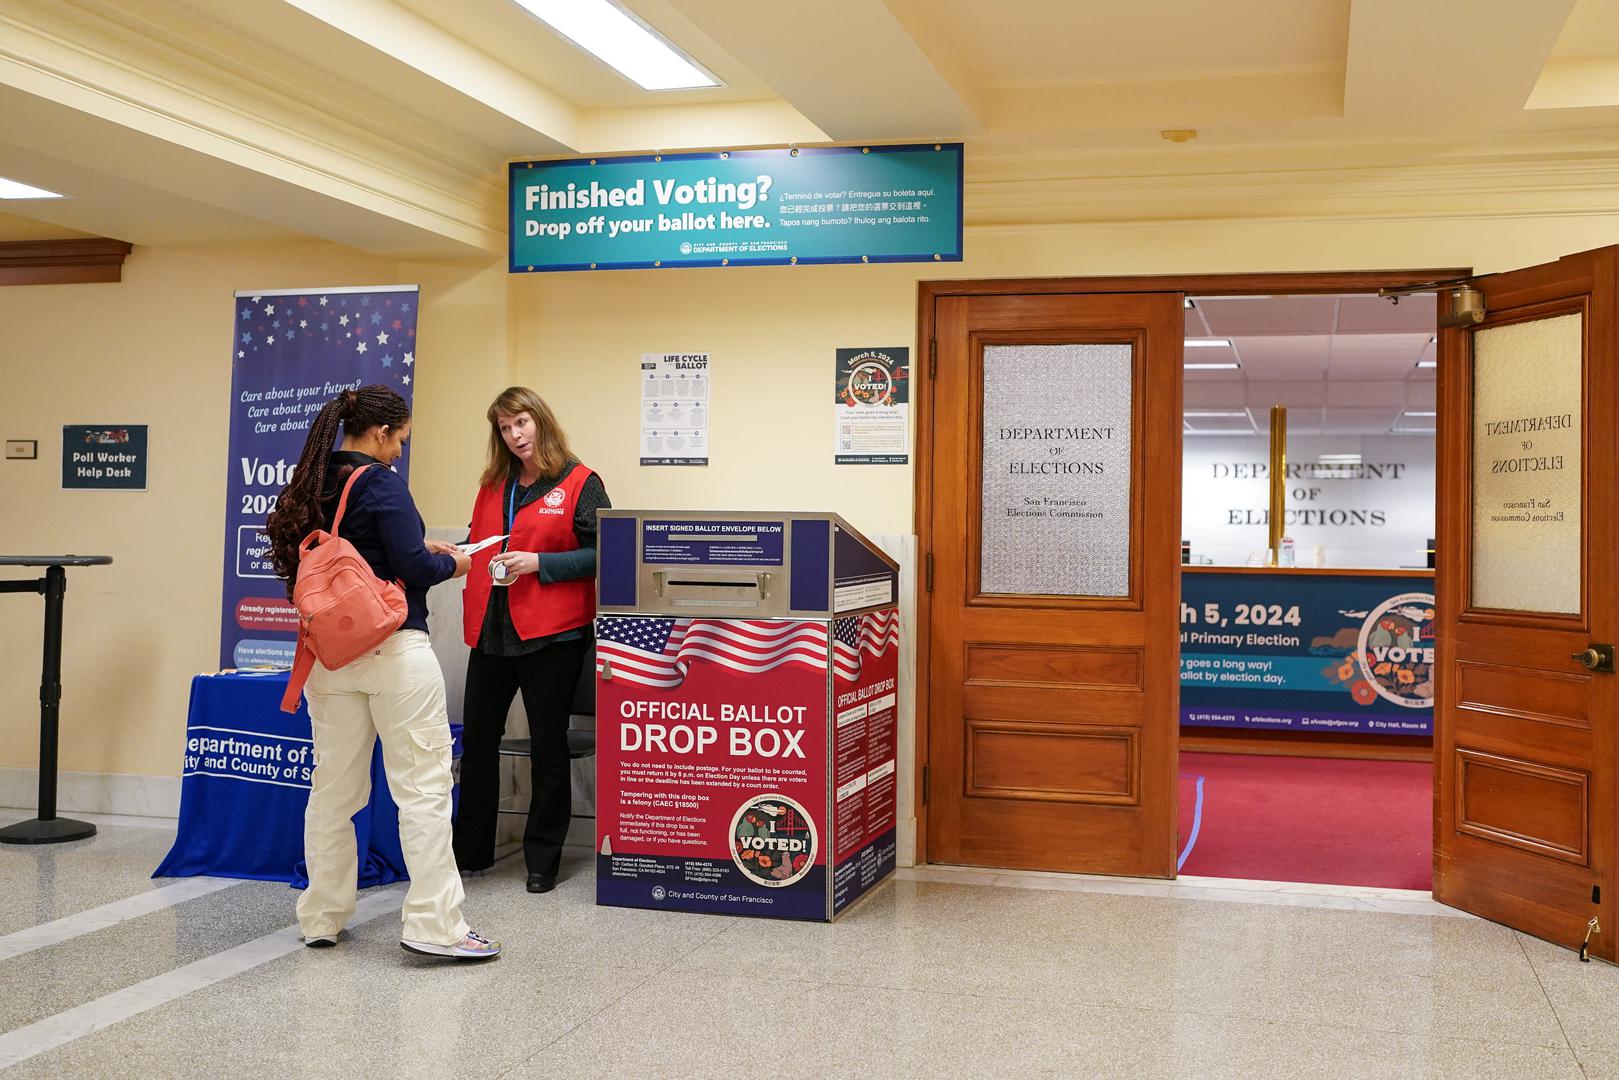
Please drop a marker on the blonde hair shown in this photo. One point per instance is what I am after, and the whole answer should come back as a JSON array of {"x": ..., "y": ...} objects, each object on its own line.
[{"x": 551, "y": 451}]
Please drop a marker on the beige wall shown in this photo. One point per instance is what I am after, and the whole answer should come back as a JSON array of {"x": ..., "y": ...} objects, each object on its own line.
[
  {"x": 150, "y": 350},
  {"x": 154, "y": 350}
]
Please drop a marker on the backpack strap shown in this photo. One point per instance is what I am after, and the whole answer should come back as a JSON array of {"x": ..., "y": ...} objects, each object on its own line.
[
  {"x": 303, "y": 663},
  {"x": 343, "y": 503}
]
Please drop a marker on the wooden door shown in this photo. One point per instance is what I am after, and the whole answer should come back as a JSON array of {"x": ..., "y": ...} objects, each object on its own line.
[
  {"x": 1053, "y": 644},
  {"x": 1524, "y": 741}
]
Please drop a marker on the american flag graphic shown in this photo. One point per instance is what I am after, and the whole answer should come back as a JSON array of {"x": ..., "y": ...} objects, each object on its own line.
[
  {"x": 871, "y": 634},
  {"x": 659, "y": 652}
]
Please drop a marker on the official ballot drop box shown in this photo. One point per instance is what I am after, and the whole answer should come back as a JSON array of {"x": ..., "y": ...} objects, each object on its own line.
[{"x": 746, "y": 721}]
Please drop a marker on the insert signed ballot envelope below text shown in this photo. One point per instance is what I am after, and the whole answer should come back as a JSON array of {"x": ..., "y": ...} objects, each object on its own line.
[{"x": 473, "y": 549}]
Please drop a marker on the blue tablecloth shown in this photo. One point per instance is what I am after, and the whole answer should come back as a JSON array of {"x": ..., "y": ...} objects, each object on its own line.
[{"x": 245, "y": 783}]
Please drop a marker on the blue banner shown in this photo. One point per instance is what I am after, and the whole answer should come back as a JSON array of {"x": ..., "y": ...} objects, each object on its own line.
[
  {"x": 1308, "y": 651},
  {"x": 743, "y": 207},
  {"x": 292, "y": 352}
]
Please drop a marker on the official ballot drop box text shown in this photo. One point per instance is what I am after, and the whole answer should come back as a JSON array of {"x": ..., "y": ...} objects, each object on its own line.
[{"x": 746, "y": 719}]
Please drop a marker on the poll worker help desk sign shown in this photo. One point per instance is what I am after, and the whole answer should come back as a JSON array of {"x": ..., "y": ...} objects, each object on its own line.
[{"x": 744, "y": 207}]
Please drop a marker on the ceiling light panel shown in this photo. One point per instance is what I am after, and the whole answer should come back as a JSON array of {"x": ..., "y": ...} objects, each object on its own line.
[
  {"x": 13, "y": 189},
  {"x": 622, "y": 42},
  {"x": 1208, "y": 343}
]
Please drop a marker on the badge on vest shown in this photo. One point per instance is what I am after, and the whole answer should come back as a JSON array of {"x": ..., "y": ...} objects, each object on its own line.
[{"x": 553, "y": 501}]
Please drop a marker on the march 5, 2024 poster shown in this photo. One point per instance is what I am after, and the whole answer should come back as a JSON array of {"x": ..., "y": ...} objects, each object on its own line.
[{"x": 872, "y": 407}]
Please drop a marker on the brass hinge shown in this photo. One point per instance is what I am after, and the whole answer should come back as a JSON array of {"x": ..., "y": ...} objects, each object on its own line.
[
  {"x": 933, "y": 357},
  {"x": 927, "y": 783},
  {"x": 930, "y": 571}
]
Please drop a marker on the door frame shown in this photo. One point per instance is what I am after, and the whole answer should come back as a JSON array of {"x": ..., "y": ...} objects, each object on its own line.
[{"x": 928, "y": 295}]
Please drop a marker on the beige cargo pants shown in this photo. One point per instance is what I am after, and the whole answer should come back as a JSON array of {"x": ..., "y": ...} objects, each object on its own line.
[{"x": 396, "y": 693}]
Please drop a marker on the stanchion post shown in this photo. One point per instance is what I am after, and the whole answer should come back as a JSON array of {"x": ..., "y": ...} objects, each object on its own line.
[{"x": 47, "y": 828}]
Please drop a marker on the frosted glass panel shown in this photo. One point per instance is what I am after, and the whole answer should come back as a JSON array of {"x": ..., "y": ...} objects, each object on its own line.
[
  {"x": 1056, "y": 460},
  {"x": 1527, "y": 422}
]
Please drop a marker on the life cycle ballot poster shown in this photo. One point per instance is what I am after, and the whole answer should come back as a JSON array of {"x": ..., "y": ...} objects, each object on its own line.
[
  {"x": 674, "y": 408},
  {"x": 872, "y": 407}
]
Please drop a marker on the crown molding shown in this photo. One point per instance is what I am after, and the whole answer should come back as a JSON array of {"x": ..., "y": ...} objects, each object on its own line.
[{"x": 62, "y": 262}]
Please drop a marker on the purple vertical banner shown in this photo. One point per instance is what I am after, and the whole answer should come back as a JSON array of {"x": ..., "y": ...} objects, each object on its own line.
[{"x": 293, "y": 351}]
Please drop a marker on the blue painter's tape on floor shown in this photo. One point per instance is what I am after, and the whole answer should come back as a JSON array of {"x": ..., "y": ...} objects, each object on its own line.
[{"x": 1197, "y": 824}]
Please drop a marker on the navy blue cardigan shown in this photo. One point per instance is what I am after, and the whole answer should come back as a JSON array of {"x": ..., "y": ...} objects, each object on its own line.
[{"x": 384, "y": 526}]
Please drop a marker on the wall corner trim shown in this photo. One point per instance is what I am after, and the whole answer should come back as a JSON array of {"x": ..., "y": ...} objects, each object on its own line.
[{"x": 62, "y": 262}]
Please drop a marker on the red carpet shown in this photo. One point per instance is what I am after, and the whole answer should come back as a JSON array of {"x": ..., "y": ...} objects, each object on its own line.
[{"x": 1332, "y": 821}]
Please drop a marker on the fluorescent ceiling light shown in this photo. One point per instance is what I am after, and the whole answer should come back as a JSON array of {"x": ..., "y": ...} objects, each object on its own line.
[
  {"x": 621, "y": 41},
  {"x": 1224, "y": 365},
  {"x": 1416, "y": 412},
  {"x": 11, "y": 189},
  {"x": 1208, "y": 343},
  {"x": 1339, "y": 457},
  {"x": 1216, "y": 415},
  {"x": 1427, "y": 363}
]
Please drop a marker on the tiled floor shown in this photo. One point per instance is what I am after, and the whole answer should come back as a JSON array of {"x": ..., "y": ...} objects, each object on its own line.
[{"x": 944, "y": 972}]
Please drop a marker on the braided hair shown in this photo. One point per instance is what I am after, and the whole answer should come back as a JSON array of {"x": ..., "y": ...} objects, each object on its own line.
[{"x": 298, "y": 510}]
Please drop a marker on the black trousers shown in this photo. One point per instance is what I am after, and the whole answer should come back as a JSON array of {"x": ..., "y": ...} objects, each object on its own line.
[{"x": 547, "y": 680}]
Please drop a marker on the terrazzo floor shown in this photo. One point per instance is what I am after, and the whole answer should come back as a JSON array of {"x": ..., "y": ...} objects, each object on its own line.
[{"x": 942, "y": 972}]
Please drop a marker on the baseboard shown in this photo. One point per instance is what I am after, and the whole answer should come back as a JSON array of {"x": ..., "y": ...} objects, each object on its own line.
[{"x": 95, "y": 793}]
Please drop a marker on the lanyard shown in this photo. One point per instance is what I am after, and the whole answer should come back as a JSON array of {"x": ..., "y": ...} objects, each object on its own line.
[{"x": 511, "y": 514}]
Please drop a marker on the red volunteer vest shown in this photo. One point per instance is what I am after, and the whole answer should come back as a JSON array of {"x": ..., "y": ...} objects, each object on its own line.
[{"x": 545, "y": 524}]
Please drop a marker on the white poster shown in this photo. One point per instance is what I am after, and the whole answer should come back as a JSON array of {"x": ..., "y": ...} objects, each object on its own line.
[{"x": 674, "y": 408}]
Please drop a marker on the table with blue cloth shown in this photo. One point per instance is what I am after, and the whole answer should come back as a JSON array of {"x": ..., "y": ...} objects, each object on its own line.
[{"x": 245, "y": 783}]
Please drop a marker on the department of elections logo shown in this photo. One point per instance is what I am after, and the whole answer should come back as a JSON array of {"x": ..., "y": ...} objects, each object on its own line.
[
  {"x": 554, "y": 497},
  {"x": 1396, "y": 650},
  {"x": 658, "y": 893},
  {"x": 685, "y": 248},
  {"x": 773, "y": 840}
]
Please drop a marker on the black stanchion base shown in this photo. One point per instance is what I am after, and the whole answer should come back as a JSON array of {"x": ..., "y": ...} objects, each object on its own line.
[{"x": 55, "y": 831}]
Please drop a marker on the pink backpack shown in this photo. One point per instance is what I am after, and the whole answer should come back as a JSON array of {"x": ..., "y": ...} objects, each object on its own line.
[{"x": 344, "y": 609}]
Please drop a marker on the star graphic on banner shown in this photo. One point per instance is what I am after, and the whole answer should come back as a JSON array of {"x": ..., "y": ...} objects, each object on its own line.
[
  {"x": 323, "y": 301},
  {"x": 397, "y": 324},
  {"x": 303, "y": 324},
  {"x": 303, "y": 301},
  {"x": 365, "y": 301},
  {"x": 387, "y": 360},
  {"x": 407, "y": 380},
  {"x": 410, "y": 358},
  {"x": 376, "y": 320},
  {"x": 240, "y": 354},
  {"x": 247, "y": 336},
  {"x": 360, "y": 347},
  {"x": 404, "y": 307},
  {"x": 289, "y": 335},
  {"x": 256, "y": 299},
  {"x": 269, "y": 309},
  {"x": 247, "y": 312},
  {"x": 342, "y": 320},
  {"x": 275, "y": 324},
  {"x": 270, "y": 340},
  {"x": 382, "y": 338},
  {"x": 323, "y": 327}
]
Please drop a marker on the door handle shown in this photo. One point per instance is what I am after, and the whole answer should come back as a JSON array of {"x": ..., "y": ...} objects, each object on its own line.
[{"x": 1596, "y": 657}]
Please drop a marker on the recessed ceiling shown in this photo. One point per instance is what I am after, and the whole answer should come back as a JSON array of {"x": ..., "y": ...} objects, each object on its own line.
[{"x": 1343, "y": 365}]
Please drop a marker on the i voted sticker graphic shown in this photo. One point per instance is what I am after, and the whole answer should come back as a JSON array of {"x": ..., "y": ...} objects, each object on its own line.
[
  {"x": 1396, "y": 650},
  {"x": 773, "y": 840}
]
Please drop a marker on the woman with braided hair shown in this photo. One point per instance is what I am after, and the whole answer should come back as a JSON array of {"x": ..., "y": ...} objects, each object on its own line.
[{"x": 395, "y": 692}]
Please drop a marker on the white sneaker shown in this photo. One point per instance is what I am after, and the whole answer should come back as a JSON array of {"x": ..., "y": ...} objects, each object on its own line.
[
  {"x": 472, "y": 947},
  {"x": 321, "y": 941}
]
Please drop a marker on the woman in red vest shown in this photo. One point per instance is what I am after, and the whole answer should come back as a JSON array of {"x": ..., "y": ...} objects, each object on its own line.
[{"x": 528, "y": 609}]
